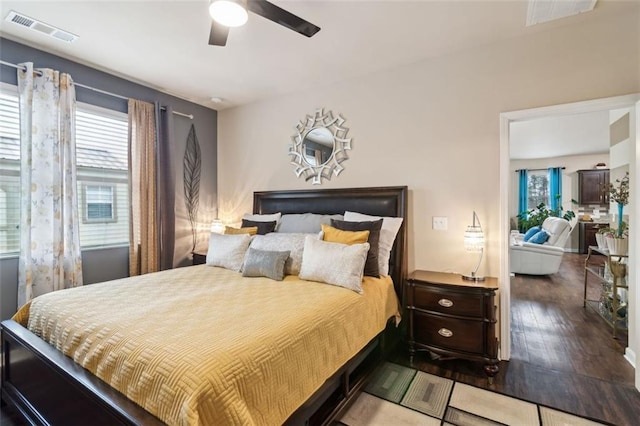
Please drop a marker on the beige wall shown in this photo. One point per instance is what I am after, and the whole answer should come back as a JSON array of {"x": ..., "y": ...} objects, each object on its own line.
[{"x": 433, "y": 126}]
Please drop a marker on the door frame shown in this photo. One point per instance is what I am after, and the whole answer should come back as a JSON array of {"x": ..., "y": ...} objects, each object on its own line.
[{"x": 506, "y": 118}]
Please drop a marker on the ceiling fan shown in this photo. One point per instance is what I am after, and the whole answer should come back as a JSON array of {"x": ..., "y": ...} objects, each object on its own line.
[{"x": 233, "y": 13}]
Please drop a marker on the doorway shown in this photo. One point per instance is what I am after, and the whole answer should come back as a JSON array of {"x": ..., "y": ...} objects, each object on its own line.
[{"x": 628, "y": 101}]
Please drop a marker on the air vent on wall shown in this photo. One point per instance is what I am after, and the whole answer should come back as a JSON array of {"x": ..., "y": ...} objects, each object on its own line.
[
  {"x": 41, "y": 27},
  {"x": 540, "y": 11}
]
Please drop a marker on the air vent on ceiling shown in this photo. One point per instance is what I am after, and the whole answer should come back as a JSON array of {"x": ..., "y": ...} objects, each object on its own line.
[
  {"x": 41, "y": 27},
  {"x": 540, "y": 11}
]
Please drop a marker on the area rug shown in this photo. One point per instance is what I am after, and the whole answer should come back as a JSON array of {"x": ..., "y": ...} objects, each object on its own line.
[{"x": 398, "y": 395}]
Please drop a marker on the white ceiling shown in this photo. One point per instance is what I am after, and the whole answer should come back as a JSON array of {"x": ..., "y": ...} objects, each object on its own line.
[
  {"x": 549, "y": 137},
  {"x": 163, "y": 44}
]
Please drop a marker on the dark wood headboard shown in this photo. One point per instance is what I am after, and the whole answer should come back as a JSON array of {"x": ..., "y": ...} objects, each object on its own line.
[{"x": 381, "y": 201}]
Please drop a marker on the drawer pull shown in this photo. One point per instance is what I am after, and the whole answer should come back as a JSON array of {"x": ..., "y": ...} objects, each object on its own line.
[
  {"x": 445, "y": 332},
  {"x": 445, "y": 302}
]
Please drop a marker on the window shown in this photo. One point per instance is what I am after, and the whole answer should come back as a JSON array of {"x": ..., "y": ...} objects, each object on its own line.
[
  {"x": 102, "y": 166},
  {"x": 99, "y": 203},
  {"x": 537, "y": 188},
  {"x": 9, "y": 171}
]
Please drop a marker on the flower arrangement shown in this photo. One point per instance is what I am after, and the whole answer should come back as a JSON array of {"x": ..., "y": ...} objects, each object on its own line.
[{"x": 620, "y": 194}]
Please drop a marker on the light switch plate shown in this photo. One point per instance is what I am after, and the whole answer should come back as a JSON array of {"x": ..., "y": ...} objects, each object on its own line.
[{"x": 439, "y": 223}]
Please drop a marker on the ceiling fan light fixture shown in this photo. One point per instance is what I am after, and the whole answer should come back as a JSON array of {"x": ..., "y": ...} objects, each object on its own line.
[{"x": 229, "y": 13}]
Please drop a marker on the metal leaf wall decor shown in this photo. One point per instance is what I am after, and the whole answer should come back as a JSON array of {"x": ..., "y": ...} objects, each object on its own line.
[{"x": 191, "y": 175}]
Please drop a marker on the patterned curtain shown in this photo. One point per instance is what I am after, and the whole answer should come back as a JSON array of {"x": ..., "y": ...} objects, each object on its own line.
[
  {"x": 522, "y": 191},
  {"x": 555, "y": 188},
  {"x": 143, "y": 232},
  {"x": 50, "y": 257}
]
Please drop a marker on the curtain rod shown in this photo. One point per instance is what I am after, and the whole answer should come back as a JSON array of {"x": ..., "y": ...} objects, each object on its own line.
[
  {"x": 535, "y": 170},
  {"x": 104, "y": 92}
]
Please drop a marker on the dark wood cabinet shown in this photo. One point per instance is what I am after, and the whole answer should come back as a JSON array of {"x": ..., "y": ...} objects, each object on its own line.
[
  {"x": 592, "y": 185},
  {"x": 587, "y": 236},
  {"x": 199, "y": 258},
  {"x": 453, "y": 317}
]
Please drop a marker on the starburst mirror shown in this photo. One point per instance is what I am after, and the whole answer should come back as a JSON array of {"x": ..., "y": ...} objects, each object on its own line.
[{"x": 319, "y": 146}]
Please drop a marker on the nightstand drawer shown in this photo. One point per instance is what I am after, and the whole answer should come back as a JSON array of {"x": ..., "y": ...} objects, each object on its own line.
[
  {"x": 430, "y": 299},
  {"x": 449, "y": 333}
]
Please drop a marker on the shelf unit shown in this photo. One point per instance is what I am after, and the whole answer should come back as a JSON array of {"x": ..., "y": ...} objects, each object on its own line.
[{"x": 612, "y": 276}]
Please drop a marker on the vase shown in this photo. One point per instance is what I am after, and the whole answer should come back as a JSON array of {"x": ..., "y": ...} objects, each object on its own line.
[
  {"x": 620, "y": 208},
  {"x": 601, "y": 241},
  {"x": 618, "y": 246}
]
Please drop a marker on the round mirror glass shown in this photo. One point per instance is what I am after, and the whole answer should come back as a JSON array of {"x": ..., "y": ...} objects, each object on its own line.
[{"x": 317, "y": 146}]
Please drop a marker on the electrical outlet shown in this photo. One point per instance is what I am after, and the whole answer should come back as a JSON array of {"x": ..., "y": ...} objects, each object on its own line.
[{"x": 439, "y": 223}]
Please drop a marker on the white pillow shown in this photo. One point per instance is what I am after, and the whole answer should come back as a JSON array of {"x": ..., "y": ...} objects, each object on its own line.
[
  {"x": 275, "y": 217},
  {"x": 390, "y": 228},
  {"x": 334, "y": 263},
  {"x": 227, "y": 251},
  {"x": 293, "y": 243}
]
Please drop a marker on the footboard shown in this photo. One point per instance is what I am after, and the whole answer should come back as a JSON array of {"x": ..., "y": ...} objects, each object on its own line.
[{"x": 49, "y": 388}]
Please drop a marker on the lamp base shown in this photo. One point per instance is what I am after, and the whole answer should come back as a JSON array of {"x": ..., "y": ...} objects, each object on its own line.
[{"x": 472, "y": 277}]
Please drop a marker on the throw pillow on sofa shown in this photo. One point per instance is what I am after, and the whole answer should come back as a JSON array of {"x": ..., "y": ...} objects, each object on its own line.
[
  {"x": 539, "y": 237},
  {"x": 531, "y": 232}
]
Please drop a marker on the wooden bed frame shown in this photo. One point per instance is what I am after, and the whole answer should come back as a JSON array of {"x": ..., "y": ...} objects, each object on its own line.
[{"x": 49, "y": 388}]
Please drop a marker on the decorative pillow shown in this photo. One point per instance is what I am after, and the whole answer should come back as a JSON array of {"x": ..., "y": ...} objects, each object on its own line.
[
  {"x": 262, "y": 263},
  {"x": 335, "y": 235},
  {"x": 306, "y": 223},
  {"x": 294, "y": 243},
  {"x": 531, "y": 232},
  {"x": 388, "y": 232},
  {"x": 539, "y": 237},
  {"x": 263, "y": 217},
  {"x": 263, "y": 227},
  {"x": 227, "y": 251},
  {"x": 334, "y": 263},
  {"x": 229, "y": 230},
  {"x": 371, "y": 268}
]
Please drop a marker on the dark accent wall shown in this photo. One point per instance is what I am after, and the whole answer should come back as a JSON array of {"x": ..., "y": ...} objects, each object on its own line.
[{"x": 107, "y": 264}]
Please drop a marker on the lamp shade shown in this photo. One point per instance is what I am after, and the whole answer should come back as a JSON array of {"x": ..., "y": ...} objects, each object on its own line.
[
  {"x": 217, "y": 226},
  {"x": 230, "y": 13},
  {"x": 474, "y": 239}
]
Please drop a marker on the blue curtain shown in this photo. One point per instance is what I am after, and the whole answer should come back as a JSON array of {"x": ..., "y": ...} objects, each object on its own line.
[
  {"x": 522, "y": 191},
  {"x": 555, "y": 188}
]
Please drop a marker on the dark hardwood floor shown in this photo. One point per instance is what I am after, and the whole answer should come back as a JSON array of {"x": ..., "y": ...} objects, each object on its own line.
[{"x": 562, "y": 355}]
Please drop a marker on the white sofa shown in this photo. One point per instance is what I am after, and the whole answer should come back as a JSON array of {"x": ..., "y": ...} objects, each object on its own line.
[{"x": 540, "y": 259}]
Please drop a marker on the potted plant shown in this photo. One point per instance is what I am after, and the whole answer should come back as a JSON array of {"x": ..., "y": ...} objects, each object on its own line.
[
  {"x": 618, "y": 240},
  {"x": 535, "y": 217}
]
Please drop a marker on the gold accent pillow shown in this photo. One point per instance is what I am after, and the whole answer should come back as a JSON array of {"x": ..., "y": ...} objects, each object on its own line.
[
  {"x": 335, "y": 235},
  {"x": 230, "y": 230}
]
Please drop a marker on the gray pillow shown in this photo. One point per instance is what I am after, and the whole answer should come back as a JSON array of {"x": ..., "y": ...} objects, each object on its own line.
[
  {"x": 263, "y": 263},
  {"x": 294, "y": 243},
  {"x": 306, "y": 223}
]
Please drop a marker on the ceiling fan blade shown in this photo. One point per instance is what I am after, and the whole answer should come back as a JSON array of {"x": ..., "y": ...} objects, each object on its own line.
[
  {"x": 280, "y": 16},
  {"x": 218, "y": 34}
]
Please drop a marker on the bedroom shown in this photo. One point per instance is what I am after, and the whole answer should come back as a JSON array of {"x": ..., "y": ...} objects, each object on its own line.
[{"x": 439, "y": 112}]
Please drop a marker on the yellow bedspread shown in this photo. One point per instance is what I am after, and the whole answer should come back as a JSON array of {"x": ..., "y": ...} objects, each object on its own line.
[{"x": 202, "y": 345}]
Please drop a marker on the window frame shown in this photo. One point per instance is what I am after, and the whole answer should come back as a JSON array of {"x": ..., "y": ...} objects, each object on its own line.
[
  {"x": 547, "y": 199},
  {"x": 85, "y": 203}
]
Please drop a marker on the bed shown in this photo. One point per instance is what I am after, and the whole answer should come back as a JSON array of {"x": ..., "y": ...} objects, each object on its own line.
[{"x": 48, "y": 387}]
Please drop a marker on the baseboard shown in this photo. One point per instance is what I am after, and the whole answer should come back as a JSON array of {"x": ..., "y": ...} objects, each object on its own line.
[{"x": 630, "y": 356}]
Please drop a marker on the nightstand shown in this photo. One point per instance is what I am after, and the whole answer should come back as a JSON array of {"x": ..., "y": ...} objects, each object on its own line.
[
  {"x": 452, "y": 317},
  {"x": 199, "y": 258}
]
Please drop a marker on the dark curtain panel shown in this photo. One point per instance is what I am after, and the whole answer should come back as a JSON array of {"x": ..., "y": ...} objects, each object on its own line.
[{"x": 166, "y": 186}]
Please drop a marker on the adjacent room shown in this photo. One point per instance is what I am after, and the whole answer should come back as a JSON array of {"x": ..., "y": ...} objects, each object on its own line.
[{"x": 306, "y": 212}]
